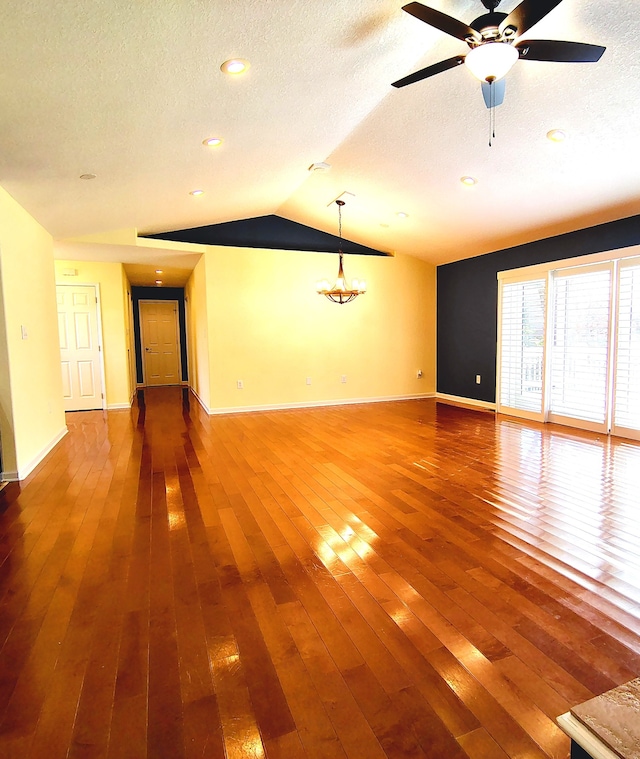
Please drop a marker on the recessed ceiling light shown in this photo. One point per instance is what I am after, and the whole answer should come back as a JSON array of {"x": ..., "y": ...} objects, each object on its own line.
[
  {"x": 158, "y": 282},
  {"x": 556, "y": 135},
  {"x": 87, "y": 176},
  {"x": 196, "y": 192},
  {"x": 158, "y": 271},
  {"x": 320, "y": 166},
  {"x": 402, "y": 215},
  {"x": 234, "y": 66},
  {"x": 384, "y": 225},
  {"x": 469, "y": 181},
  {"x": 212, "y": 142}
]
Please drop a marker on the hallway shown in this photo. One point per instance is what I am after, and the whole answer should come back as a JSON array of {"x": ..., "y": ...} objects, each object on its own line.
[{"x": 396, "y": 580}]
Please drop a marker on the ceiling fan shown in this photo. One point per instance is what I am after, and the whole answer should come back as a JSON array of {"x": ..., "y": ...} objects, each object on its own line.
[{"x": 495, "y": 44}]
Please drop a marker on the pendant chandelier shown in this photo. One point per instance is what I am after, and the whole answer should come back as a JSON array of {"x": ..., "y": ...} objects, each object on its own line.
[{"x": 341, "y": 292}]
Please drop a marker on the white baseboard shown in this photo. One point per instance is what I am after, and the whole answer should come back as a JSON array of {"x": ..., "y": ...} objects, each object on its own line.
[
  {"x": 314, "y": 404},
  {"x": 116, "y": 406},
  {"x": 458, "y": 400},
  {"x": 26, "y": 470},
  {"x": 200, "y": 401}
]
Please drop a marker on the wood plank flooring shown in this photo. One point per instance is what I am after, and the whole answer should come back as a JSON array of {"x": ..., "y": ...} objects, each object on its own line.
[{"x": 386, "y": 580}]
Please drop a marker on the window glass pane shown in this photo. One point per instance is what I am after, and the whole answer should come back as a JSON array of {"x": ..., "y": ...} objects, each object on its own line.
[
  {"x": 522, "y": 344},
  {"x": 627, "y": 395},
  {"x": 580, "y": 345}
]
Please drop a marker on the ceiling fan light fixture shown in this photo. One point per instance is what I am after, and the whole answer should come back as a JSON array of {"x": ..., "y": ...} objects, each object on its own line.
[{"x": 491, "y": 61}]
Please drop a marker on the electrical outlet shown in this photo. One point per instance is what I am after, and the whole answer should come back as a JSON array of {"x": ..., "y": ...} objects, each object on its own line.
[
  {"x": 240, "y": 385},
  {"x": 478, "y": 378},
  {"x": 308, "y": 380},
  {"x": 343, "y": 378}
]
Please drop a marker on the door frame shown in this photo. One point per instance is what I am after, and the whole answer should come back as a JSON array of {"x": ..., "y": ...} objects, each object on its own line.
[
  {"x": 131, "y": 347},
  {"x": 96, "y": 287},
  {"x": 178, "y": 341}
]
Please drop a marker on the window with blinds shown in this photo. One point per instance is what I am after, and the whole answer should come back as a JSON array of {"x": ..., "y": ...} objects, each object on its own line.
[
  {"x": 580, "y": 348},
  {"x": 522, "y": 345},
  {"x": 627, "y": 387}
]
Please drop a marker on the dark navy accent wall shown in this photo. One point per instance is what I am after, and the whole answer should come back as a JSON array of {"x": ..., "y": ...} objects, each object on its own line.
[
  {"x": 468, "y": 302},
  {"x": 267, "y": 232},
  {"x": 159, "y": 293}
]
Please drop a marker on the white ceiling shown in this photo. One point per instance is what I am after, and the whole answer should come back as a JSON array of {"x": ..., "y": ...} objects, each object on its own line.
[{"x": 129, "y": 90}]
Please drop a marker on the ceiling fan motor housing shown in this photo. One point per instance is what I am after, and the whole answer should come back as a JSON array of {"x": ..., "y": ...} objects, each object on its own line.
[{"x": 489, "y": 28}]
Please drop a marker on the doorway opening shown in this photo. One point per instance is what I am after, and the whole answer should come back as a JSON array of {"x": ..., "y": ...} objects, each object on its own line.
[
  {"x": 160, "y": 342},
  {"x": 159, "y": 295}
]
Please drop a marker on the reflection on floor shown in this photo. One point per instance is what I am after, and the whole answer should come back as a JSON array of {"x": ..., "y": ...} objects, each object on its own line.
[{"x": 386, "y": 580}]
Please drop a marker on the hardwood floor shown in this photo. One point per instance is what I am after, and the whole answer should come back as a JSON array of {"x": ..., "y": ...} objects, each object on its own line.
[{"x": 385, "y": 580}]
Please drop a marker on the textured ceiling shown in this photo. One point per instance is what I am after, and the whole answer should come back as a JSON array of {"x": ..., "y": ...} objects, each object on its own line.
[{"x": 129, "y": 90}]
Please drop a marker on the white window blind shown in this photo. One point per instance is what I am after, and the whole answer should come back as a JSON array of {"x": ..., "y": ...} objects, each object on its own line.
[
  {"x": 627, "y": 392},
  {"x": 522, "y": 344},
  {"x": 579, "y": 360}
]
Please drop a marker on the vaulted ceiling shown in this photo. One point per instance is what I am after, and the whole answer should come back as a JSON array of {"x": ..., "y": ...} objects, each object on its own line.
[{"x": 128, "y": 91}]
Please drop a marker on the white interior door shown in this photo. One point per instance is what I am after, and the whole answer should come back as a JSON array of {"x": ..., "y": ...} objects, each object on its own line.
[
  {"x": 160, "y": 342},
  {"x": 80, "y": 347}
]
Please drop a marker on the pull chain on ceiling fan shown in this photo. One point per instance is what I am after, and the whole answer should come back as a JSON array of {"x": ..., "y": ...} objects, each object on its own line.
[{"x": 495, "y": 45}]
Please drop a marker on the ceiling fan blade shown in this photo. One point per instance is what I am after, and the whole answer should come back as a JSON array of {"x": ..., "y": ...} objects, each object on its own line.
[
  {"x": 559, "y": 52},
  {"x": 493, "y": 93},
  {"x": 528, "y": 13},
  {"x": 446, "y": 24},
  {"x": 437, "y": 68}
]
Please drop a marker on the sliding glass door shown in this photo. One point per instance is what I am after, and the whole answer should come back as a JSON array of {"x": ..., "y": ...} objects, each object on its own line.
[
  {"x": 569, "y": 346},
  {"x": 579, "y": 354},
  {"x": 521, "y": 360},
  {"x": 626, "y": 409}
]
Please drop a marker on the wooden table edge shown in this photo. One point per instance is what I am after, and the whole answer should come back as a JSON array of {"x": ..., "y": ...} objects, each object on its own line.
[{"x": 584, "y": 737}]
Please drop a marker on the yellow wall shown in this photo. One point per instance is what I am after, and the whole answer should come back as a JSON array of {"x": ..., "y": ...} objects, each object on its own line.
[
  {"x": 198, "y": 333},
  {"x": 269, "y": 328},
  {"x": 31, "y": 406},
  {"x": 114, "y": 311}
]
